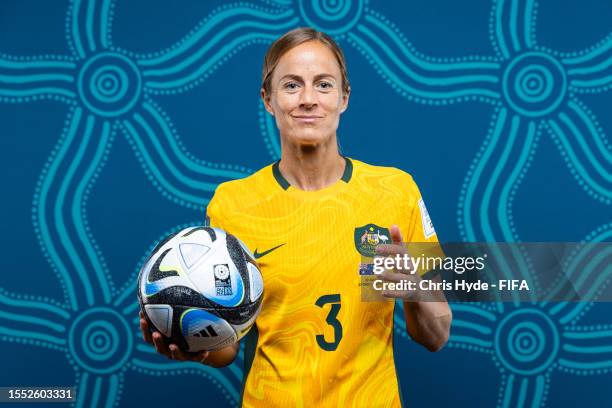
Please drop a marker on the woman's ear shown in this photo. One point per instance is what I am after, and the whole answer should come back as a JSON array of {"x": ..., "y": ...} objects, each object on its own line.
[
  {"x": 345, "y": 99},
  {"x": 266, "y": 101}
]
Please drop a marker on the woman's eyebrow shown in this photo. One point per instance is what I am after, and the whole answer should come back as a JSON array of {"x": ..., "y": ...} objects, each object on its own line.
[{"x": 299, "y": 78}]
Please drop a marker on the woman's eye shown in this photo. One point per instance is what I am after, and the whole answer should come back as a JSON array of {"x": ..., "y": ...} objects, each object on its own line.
[
  {"x": 291, "y": 85},
  {"x": 326, "y": 85}
]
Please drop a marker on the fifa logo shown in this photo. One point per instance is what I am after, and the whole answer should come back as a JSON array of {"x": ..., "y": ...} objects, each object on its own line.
[{"x": 223, "y": 283}]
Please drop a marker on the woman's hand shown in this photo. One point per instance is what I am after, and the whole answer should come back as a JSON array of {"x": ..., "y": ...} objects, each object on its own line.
[
  {"x": 428, "y": 316},
  {"x": 397, "y": 276},
  {"x": 219, "y": 358}
]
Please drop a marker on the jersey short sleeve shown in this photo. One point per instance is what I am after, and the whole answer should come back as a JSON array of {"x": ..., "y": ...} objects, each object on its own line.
[
  {"x": 421, "y": 228},
  {"x": 214, "y": 211},
  {"x": 422, "y": 238}
]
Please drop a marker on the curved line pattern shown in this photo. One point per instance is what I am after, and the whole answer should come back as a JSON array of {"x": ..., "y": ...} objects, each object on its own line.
[
  {"x": 503, "y": 159},
  {"x": 233, "y": 368},
  {"x": 472, "y": 327},
  {"x": 22, "y": 80},
  {"x": 595, "y": 177},
  {"x": 169, "y": 188},
  {"x": 76, "y": 216},
  {"x": 202, "y": 71},
  {"x": 36, "y": 321},
  {"x": 408, "y": 83},
  {"x": 590, "y": 267},
  {"x": 217, "y": 18},
  {"x": 32, "y": 316},
  {"x": 218, "y": 39},
  {"x": 89, "y": 26},
  {"x": 170, "y": 143},
  {"x": 522, "y": 391},
  {"x": 591, "y": 71},
  {"x": 29, "y": 336},
  {"x": 595, "y": 279},
  {"x": 513, "y": 22},
  {"x": 591, "y": 56},
  {"x": 179, "y": 178},
  {"x": 486, "y": 69},
  {"x": 586, "y": 349},
  {"x": 425, "y": 72},
  {"x": 98, "y": 390},
  {"x": 162, "y": 70},
  {"x": 43, "y": 306},
  {"x": 59, "y": 215},
  {"x": 147, "y": 361}
]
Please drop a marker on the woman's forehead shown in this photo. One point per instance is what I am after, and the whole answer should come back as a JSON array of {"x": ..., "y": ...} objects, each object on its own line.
[{"x": 309, "y": 58}]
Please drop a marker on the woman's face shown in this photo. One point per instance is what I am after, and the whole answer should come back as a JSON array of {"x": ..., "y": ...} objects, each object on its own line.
[{"x": 306, "y": 95}]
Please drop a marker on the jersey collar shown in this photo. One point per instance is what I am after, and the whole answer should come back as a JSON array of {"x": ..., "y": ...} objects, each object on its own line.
[{"x": 282, "y": 181}]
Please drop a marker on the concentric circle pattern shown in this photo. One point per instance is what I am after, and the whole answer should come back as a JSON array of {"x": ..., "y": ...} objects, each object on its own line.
[
  {"x": 534, "y": 84},
  {"x": 109, "y": 84},
  {"x": 527, "y": 341},
  {"x": 331, "y": 16},
  {"x": 100, "y": 340}
]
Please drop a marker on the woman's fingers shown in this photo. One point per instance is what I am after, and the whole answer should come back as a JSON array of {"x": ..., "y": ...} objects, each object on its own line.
[
  {"x": 202, "y": 356},
  {"x": 178, "y": 354},
  {"x": 172, "y": 351},
  {"x": 396, "y": 235},
  {"x": 160, "y": 346},
  {"x": 144, "y": 328}
]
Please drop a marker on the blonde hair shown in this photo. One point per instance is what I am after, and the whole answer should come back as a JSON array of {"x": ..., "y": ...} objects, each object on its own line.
[{"x": 291, "y": 40}]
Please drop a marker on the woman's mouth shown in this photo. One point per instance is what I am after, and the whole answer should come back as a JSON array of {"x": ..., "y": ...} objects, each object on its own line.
[{"x": 307, "y": 118}]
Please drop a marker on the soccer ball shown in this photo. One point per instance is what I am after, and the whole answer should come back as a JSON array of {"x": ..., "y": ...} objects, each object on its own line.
[{"x": 201, "y": 288}]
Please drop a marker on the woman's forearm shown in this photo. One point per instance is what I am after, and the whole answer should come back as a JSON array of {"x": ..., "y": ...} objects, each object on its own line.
[{"x": 428, "y": 323}]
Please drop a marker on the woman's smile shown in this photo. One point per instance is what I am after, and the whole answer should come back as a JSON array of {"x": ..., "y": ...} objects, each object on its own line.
[{"x": 306, "y": 118}]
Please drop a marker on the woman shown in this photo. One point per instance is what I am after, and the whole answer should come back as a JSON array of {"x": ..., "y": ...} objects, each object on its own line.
[{"x": 309, "y": 219}]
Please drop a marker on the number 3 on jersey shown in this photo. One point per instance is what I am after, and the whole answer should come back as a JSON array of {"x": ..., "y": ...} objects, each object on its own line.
[{"x": 332, "y": 320}]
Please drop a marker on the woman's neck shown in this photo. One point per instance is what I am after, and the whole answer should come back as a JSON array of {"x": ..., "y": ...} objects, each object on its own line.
[{"x": 312, "y": 168}]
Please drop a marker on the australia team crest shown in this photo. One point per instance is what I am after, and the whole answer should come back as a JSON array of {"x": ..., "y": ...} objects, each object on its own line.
[{"x": 367, "y": 237}]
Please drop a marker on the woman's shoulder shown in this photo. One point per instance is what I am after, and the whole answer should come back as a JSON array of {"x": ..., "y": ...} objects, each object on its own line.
[
  {"x": 244, "y": 189},
  {"x": 371, "y": 170}
]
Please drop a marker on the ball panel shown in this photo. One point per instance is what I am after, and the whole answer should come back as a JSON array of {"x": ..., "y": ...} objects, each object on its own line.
[
  {"x": 219, "y": 279},
  {"x": 203, "y": 330},
  {"x": 255, "y": 282},
  {"x": 161, "y": 317},
  {"x": 191, "y": 253}
]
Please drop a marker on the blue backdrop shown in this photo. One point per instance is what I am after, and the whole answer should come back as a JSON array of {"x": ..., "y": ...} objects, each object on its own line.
[{"x": 119, "y": 118}]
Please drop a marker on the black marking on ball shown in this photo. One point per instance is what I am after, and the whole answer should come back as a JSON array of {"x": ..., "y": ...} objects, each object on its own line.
[
  {"x": 180, "y": 296},
  {"x": 238, "y": 257},
  {"x": 157, "y": 274},
  {"x": 163, "y": 242},
  {"x": 210, "y": 231}
]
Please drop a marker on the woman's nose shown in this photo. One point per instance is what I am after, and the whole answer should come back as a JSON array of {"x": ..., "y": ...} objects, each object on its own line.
[{"x": 308, "y": 96}]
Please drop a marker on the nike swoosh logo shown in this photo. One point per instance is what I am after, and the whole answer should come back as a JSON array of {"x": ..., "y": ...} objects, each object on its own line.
[{"x": 258, "y": 255}]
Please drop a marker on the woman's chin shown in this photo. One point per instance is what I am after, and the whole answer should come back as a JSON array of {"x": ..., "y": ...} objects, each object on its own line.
[{"x": 309, "y": 139}]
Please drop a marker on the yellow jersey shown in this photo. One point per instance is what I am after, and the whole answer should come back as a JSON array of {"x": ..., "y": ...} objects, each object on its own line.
[{"x": 315, "y": 342}]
